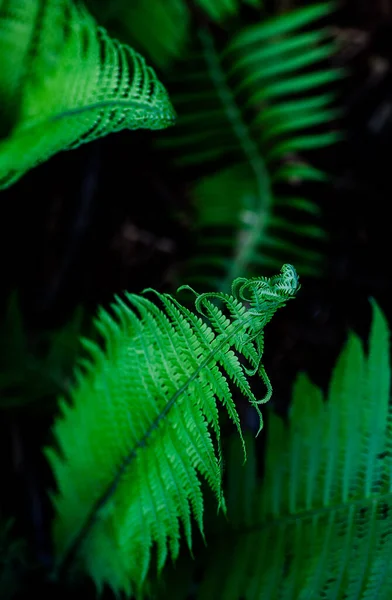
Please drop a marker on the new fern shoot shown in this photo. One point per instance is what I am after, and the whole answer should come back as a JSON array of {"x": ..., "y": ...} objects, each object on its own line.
[{"x": 142, "y": 427}]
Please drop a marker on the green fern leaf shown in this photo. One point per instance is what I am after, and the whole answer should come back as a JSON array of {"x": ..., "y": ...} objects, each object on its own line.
[
  {"x": 220, "y": 10},
  {"x": 64, "y": 82},
  {"x": 137, "y": 437},
  {"x": 229, "y": 224},
  {"x": 319, "y": 524},
  {"x": 254, "y": 107},
  {"x": 137, "y": 23}
]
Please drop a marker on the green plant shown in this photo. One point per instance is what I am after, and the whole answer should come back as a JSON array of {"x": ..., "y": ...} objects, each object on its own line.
[
  {"x": 139, "y": 21},
  {"x": 65, "y": 82},
  {"x": 318, "y": 524},
  {"x": 137, "y": 436},
  {"x": 246, "y": 113}
]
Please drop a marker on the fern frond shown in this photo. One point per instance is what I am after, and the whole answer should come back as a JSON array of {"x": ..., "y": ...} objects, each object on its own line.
[
  {"x": 139, "y": 21},
  {"x": 64, "y": 82},
  {"x": 220, "y": 10},
  {"x": 137, "y": 437},
  {"x": 254, "y": 107},
  {"x": 234, "y": 237},
  {"x": 319, "y": 524}
]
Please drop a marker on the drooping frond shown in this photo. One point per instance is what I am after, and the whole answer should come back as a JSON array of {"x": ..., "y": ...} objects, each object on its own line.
[
  {"x": 138, "y": 22},
  {"x": 253, "y": 108},
  {"x": 136, "y": 438},
  {"x": 64, "y": 82},
  {"x": 318, "y": 525}
]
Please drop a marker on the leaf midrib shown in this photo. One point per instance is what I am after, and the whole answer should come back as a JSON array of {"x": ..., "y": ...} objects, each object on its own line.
[
  {"x": 254, "y": 159},
  {"x": 134, "y": 104},
  {"x": 308, "y": 514}
]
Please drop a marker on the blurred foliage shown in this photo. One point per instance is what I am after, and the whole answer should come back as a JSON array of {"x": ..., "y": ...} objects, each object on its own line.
[
  {"x": 13, "y": 560},
  {"x": 35, "y": 368}
]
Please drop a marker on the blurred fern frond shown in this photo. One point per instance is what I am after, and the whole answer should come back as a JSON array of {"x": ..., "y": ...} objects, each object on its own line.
[
  {"x": 35, "y": 368},
  {"x": 64, "y": 82},
  {"x": 139, "y": 22},
  {"x": 245, "y": 116},
  {"x": 162, "y": 29},
  {"x": 318, "y": 525}
]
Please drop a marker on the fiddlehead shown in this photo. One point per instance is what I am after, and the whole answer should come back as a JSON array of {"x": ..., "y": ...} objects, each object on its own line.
[{"x": 264, "y": 295}]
